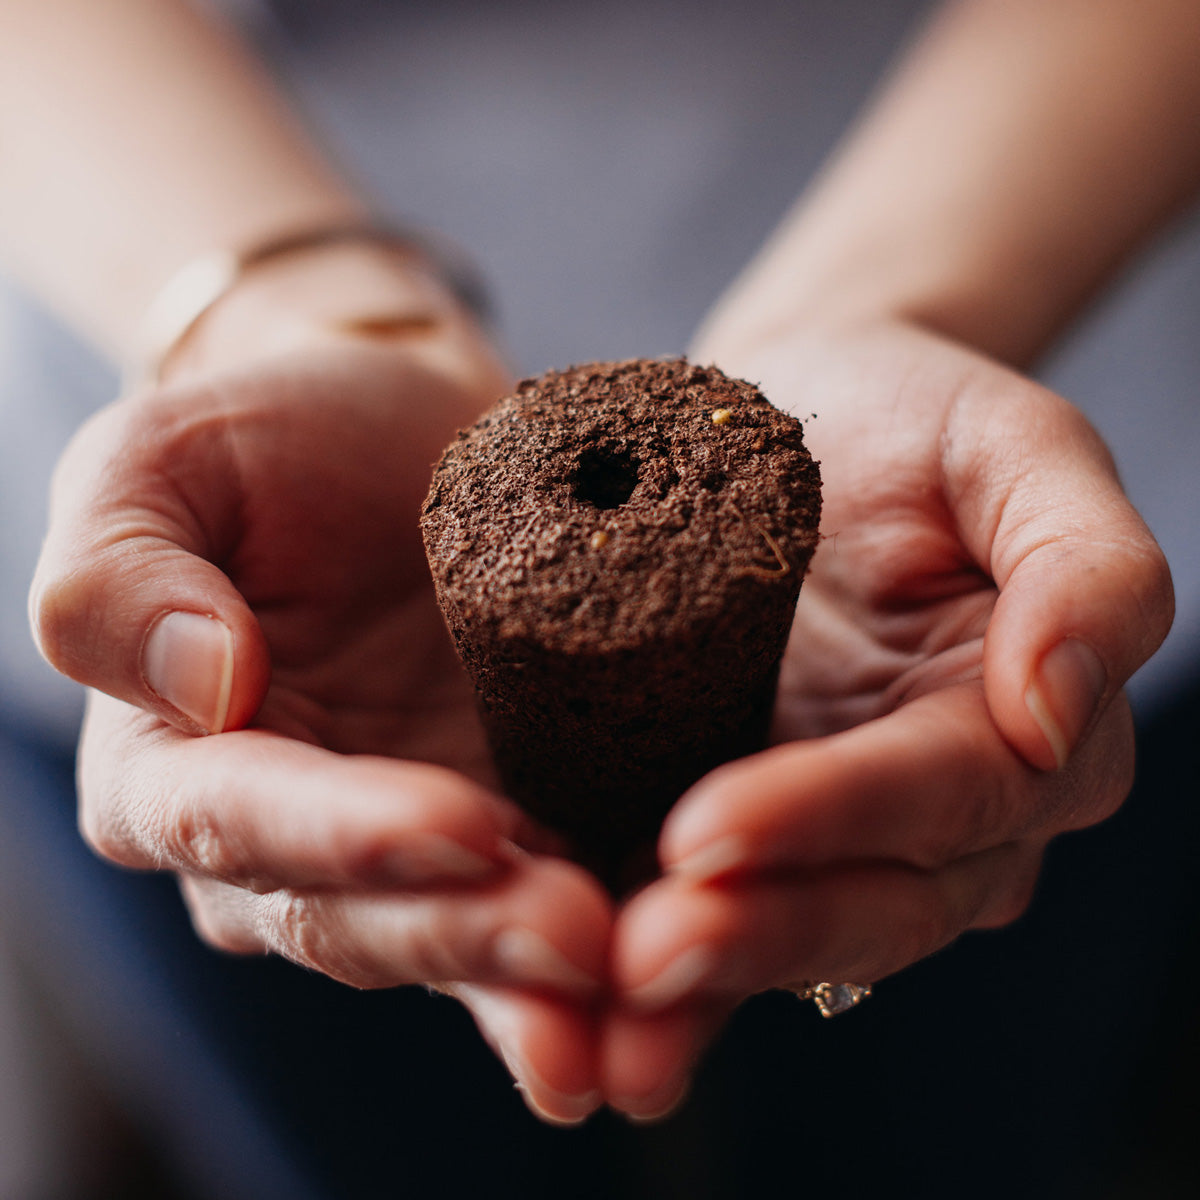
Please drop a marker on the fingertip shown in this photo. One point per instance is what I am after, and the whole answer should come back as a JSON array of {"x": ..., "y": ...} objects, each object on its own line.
[
  {"x": 677, "y": 980},
  {"x": 710, "y": 860},
  {"x": 525, "y": 954},
  {"x": 1085, "y": 592},
  {"x": 670, "y": 944},
  {"x": 695, "y": 839},
  {"x": 647, "y": 1062},
  {"x": 549, "y": 1047},
  {"x": 157, "y": 627},
  {"x": 555, "y": 1108},
  {"x": 570, "y": 912},
  {"x": 578, "y": 892},
  {"x": 654, "y": 1106}
]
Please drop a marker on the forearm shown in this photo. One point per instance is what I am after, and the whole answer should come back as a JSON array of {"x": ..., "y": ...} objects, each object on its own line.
[
  {"x": 134, "y": 135},
  {"x": 1020, "y": 153}
]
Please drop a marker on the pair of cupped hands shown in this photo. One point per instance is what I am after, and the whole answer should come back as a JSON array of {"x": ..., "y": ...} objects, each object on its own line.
[{"x": 236, "y": 552}]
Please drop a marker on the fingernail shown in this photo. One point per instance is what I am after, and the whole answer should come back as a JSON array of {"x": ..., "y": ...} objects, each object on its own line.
[
  {"x": 680, "y": 977},
  {"x": 713, "y": 860},
  {"x": 642, "y": 1110},
  {"x": 187, "y": 660},
  {"x": 529, "y": 957},
  {"x": 569, "y": 1110},
  {"x": 1064, "y": 695},
  {"x": 429, "y": 858}
]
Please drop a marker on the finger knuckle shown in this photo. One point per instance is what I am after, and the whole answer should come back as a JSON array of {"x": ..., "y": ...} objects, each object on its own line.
[
  {"x": 196, "y": 842},
  {"x": 299, "y": 930},
  {"x": 306, "y": 929}
]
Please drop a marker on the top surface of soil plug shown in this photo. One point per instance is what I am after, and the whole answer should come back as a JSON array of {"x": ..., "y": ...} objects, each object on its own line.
[{"x": 614, "y": 506}]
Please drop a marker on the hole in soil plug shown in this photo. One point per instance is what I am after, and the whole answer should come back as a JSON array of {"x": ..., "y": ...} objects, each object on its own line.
[{"x": 605, "y": 477}]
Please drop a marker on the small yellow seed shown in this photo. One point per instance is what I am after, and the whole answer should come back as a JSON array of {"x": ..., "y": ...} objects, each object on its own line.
[
  {"x": 599, "y": 539},
  {"x": 722, "y": 416}
]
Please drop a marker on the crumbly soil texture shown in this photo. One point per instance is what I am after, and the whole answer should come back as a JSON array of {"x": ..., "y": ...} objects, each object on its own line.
[{"x": 617, "y": 549}]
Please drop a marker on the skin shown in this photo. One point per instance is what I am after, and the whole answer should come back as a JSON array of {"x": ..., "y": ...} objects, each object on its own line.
[
  {"x": 951, "y": 698},
  {"x": 897, "y": 809}
]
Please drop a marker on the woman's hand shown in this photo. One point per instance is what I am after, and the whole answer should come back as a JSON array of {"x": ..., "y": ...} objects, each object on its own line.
[
  {"x": 950, "y": 699},
  {"x": 238, "y": 553}
]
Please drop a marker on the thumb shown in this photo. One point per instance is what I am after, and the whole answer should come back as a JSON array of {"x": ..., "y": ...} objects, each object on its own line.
[
  {"x": 126, "y": 597},
  {"x": 1085, "y": 592}
]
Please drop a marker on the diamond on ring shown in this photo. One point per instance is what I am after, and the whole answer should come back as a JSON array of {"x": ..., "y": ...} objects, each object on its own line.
[{"x": 835, "y": 998}]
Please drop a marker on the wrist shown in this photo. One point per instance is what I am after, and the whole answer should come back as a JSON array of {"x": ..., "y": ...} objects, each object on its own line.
[
  {"x": 224, "y": 310},
  {"x": 762, "y": 307},
  {"x": 819, "y": 276}
]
